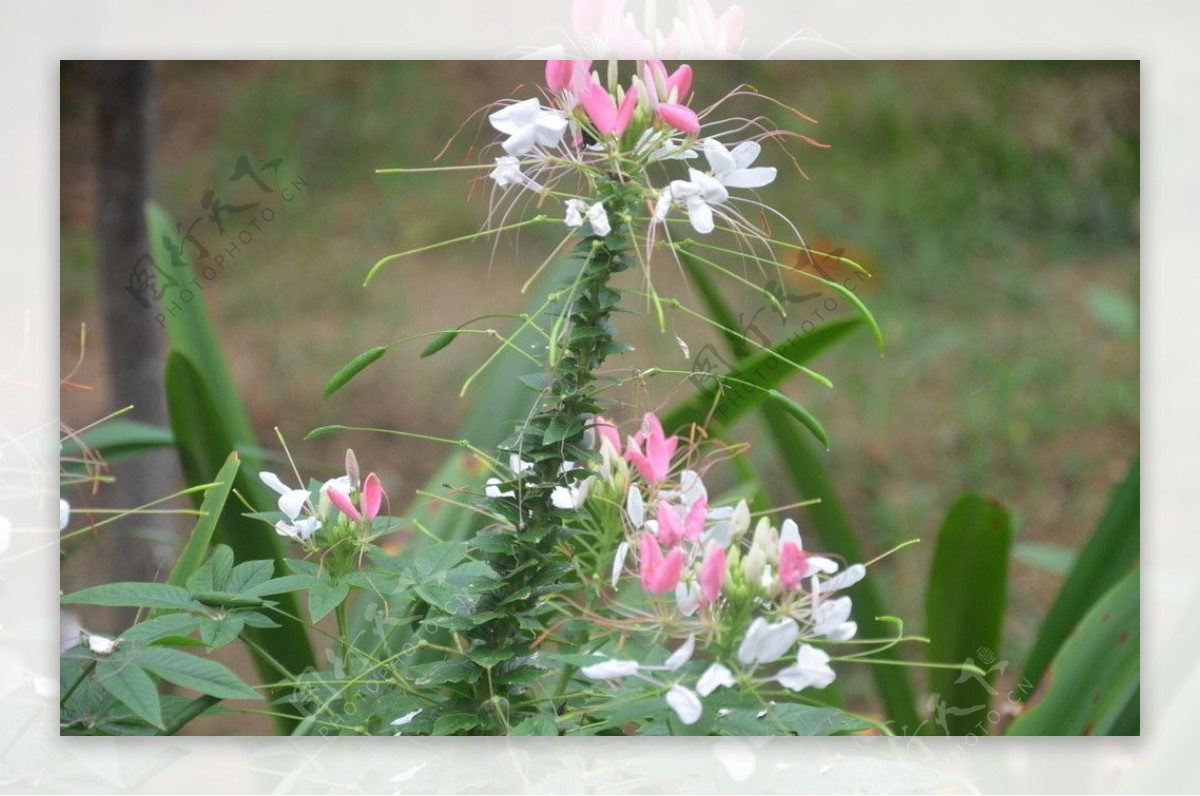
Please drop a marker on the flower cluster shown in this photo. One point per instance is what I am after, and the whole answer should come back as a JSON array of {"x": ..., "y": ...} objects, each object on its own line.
[
  {"x": 302, "y": 519},
  {"x": 594, "y": 127},
  {"x": 749, "y": 589}
]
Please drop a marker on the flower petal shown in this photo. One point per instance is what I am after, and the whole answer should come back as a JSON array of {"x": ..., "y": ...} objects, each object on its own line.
[
  {"x": 291, "y": 503},
  {"x": 273, "y": 481},
  {"x": 749, "y": 178},
  {"x": 512, "y": 118},
  {"x": 811, "y": 669},
  {"x": 685, "y": 703},
  {"x": 609, "y": 669},
  {"x": 682, "y": 655},
  {"x": 714, "y": 677},
  {"x": 768, "y": 641}
]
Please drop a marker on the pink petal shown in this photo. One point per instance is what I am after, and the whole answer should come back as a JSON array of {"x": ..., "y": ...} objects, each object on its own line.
[
  {"x": 681, "y": 118},
  {"x": 667, "y": 576},
  {"x": 372, "y": 497},
  {"x": 681, "y": 82},
  {"x": 793, "y": 562},
  {"x": 670, "y": 529},
  {"x": 712, "y": 575},
  {"x": 694, "y": 526},
  {"x": 608, "y": 431},
  {"x": 600, "y": 107},
  {"x": 625, "y": 114},
  {"x": 344, "y": 504},
  {"x": 649, "y": 560},
  {"x": 559, "y": 74}
]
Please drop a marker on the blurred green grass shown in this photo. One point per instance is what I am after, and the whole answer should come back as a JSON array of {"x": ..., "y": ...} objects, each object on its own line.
[{"x": 991, "y": 199}]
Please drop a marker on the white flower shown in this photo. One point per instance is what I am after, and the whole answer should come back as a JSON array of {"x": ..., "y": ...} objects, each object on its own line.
[
  {"x": 101, "y": 645},
  {"x": 811, "y": 669},
  {"x": 634, "y": 507},
  {"x": 715, "y": 676},
  {"x": 682, "y": 655},
  {"x": 685, "y": 703},
  {"x": 845, "y": 579},
  {"x": 609, "y": 669},
  {"x": 687, "y": 597},
  {"x": 768, "y": 641},
  {"x": 732, "y": 169},
  {"x": 571, "y": 498},
  {"x": 291, "y": 501},
  {"x": 577, "y": 209},
  {"x": 527, "y": 124},
  {"x": 619, "y": 562},
  {"x": 698, "y": 195},
  {"x": 406, "y": 718},
  {"x": 300, "y": 530},
  {"x": 828, "y": 616},
  {"x": 64, "y": 514},
  {"x": 507, "y": 171}
]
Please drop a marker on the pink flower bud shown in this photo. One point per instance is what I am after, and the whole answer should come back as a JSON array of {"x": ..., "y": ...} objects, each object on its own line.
[
  {"x": 344, "y": 505},
  {"x": 793, "y": 562},
  {"x": 372, "y": 496},
  {"x": 681, "y": 118},
  {"x": 712, "y": 575},
  {"x": 659, "y": 574}
]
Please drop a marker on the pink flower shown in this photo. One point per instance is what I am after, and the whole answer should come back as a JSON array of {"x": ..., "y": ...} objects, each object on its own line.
[
  {"x": 673, "y": 88},
  {"x": 672, "y": 529},
  {"x": 712, "y": 575},
  {"x": 608, "y": 431},
  {"x": 680, "y": 117},
  {"x": 370, "y": 500},
  {"x": 655, "y": 462},
  {"x": 659, "y": 574},
  {"x": 793, "y": 563},
  {"x": 568, "y": 75},
  {"x": 603, "y": 111}
]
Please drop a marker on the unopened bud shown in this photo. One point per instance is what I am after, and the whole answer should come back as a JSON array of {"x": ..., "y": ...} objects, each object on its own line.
[{"x": 352, "y": 468}]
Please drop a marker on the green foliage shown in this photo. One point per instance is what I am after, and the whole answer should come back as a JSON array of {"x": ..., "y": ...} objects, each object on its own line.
[
  {"x": 201, "y": 537},
  {"x": 208, "y": 423},
  {"x": 1108, "y": 556},
  {"x": 353, "y": 368},
  {"x": 1092, "y": 685},
  {"x": 965, "y": 602}
]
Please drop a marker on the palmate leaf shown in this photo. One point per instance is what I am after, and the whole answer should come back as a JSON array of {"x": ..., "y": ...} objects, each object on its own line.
[
  {"x": 134, "y": 595},
  {"x": 192, "y": 671},
  {"x": 132, "y": 687}
]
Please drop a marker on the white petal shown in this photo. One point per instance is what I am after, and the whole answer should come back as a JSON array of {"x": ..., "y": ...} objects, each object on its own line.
[
  {"x": 101, "y": 645},
  {"x": 619, "y": 562},
  {"x": 635, "y": 508},
  {"x": 272, "y": 480},
  {"x": 64, "y": 514},
  {"x": 507, "y": 171},
  {"x": 745, "y": 153},
  {"x": 609, "y": 669},
  {"x": 768, "y": 641},
  {"x": 490, "y": 489},
  {"x": 714, "y": 677},
  {"x": 662, "y": 206},
  {"x": 599, "y": 220},
  {"x": 574, "y": 215},
  {"x": 685, "y": 703},
  {"x": 845, "y": 579},
  {"x": 687, "y": 598},
  {"x": 341, "y": 484},
  {"x": 827, "y": 616},
  {"x": 700, "y": 214},
  {"x": 292, "y": 502},
  {"x": 521, "y": 141},
  {"x": 843, "y": 632},
  {"x": 550, "y": 126},
  {"x": 514, "y": 117},
  {"x": 406, "y": 718},
  {"x": 682, "y": 655},
  {"x": 739, "y": 523},
  {"x": 790, "y": 532},
  {"x": 718, "y": 156},
  {"x": 811, "y": 669},
  {"x": 820, "y": 564},
  {"x": 561, "y": 498},
  {"x": 709, "y": 187},
  {"x": 749, "y": 178}
]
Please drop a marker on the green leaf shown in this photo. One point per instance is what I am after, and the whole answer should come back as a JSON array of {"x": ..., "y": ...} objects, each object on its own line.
[
  {"x": 441, "y": 341},
  {"x": 202, "y": 533},
  {"x": 288, "y": 583},
  {"x": 1053, "y": 558},
  {"x": 800, "y": 413},
  {"x": 353, "y": 368},
  {"x": 217, "y": 632},
  {"x": 213, "y": 573},
  {"x": 1088, "y": 688},
  {"x": 964, "y": 604},
  {"x": 176, "y": 624},
  {"x": 456, "y": 723},
  {"x": 134, "y": 595},
  {"x": 324, "y": 596},
  {"x": 194, "y": 672},
  {"x": 118, "y": 439},
  {"x": 250, "y": 575},
  {"x": 132, "y": 687},
  {"x": 536, "y": 725},
  {"x": 1110, "y": 553}
]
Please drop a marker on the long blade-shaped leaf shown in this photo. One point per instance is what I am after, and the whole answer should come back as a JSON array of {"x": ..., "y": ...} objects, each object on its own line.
[
  {"x": 197, "y": 544},
  {"x": 964, "y": 604},
  {"x": 1091, "y": 687},
  {"x": 1107, "y": 557}
]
